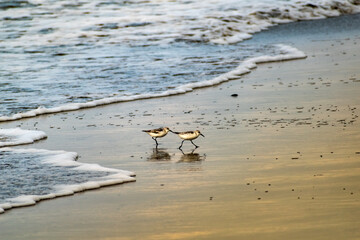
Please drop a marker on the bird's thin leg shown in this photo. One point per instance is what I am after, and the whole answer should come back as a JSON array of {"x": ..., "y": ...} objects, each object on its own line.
[
  {"x": 155, "y": 141},
  {"x": 182, "y": 151},
  {"x": 181, "y": 144},
  {"x": 194, "y": 144}
]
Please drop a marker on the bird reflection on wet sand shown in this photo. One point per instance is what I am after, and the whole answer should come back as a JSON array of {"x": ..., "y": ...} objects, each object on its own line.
[
  {"x": 159, "y": 155},
  {"x": 191, "y": 157}
]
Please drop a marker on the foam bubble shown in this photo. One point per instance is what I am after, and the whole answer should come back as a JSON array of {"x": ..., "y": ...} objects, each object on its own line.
[{"x": 18, "y": 136}]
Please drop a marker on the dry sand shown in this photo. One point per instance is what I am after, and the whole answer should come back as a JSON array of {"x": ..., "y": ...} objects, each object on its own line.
[{"x": 279, "y": 161}]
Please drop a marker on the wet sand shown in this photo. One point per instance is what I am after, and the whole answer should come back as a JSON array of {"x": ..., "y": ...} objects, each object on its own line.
[{"x": 279, "y": 161}]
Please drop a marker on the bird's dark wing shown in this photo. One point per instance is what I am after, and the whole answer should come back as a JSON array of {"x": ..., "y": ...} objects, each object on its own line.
[
  {"x": 188, "y": 132},
  {"x": 156, "y": 130}
]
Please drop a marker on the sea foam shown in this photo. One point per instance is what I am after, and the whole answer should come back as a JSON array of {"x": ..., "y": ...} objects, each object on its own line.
[
  {"x": 31, "y": 175},
  {"x": 18, "y": 136},
  {"x": 216, "y": 21},
  {"x": 286, "y": 53}
]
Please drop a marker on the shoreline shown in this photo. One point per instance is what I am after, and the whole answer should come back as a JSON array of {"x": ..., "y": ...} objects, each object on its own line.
[
  {"x": 279, "y": 161},
  {"x": 244, "y": 68}
]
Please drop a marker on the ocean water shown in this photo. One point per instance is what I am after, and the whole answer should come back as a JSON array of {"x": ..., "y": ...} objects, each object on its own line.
[{"x": 62, "y": 55}]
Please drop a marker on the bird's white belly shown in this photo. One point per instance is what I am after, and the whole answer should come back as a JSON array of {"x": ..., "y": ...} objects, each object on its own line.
[
  {"x": 161, "y": 134},
  {"x": 188, "y": 136}
]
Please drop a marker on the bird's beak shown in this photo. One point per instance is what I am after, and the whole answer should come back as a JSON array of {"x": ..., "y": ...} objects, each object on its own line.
[
  {"x": 202, "y": 134},
  {"x": 171, "y": 131}
]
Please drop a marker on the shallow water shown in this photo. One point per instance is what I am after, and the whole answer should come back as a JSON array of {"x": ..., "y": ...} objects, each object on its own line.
[
  {"x": 88, "y": 74},
  {"x": 31, "y": 175}
]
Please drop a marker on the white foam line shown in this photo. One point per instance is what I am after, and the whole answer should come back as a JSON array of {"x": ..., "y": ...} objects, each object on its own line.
[
  {"x": 288, "y": 53},
  {"x": 19, "y": 136},
  {"x": 62, "y": 158}
]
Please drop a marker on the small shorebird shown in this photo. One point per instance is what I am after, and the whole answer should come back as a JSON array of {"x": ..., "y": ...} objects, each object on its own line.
[
  {"x": 190, "y": 135},
  {"x": 157, "y": 133}
]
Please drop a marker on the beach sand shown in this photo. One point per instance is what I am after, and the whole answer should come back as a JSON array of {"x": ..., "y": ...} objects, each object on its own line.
[{"x": 279, "y": 161}]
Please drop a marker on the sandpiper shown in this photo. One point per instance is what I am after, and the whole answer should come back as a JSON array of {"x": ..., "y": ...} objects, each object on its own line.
[
  {"x": 157, "y": 133},
  {"x": 190, "y": 135}
]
